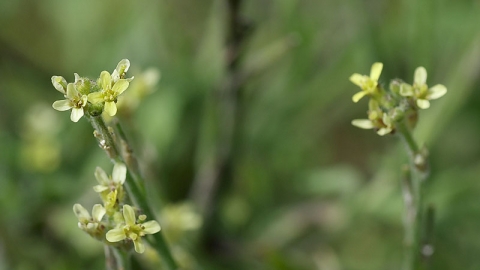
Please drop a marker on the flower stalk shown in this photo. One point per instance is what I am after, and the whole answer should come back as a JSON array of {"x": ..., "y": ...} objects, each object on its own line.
[
  {"x": 115, "y": 223},
  {"x": 395, "y": 111},
  {"x": 412, "y": 196},
  {"x": 105, "y": 139}
]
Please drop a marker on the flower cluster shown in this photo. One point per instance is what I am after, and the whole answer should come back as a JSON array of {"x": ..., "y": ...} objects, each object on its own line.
[
  {"x": 399, "y": 102},
  {"x": 87, "y": 96},
  {"x": 115, "y": 221}
]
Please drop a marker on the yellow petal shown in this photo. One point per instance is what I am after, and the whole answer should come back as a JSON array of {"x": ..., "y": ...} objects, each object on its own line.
[
  {"x": 59, "y": 83},
  {"x": 101, "y": 176},
  {"x": 119, "y": 173},
  {"x": 100, "y": 188},
  {"x": 358, "y": 96},
  {"x": 129, "y": 215},
  {"x": 151, "y": 227},
  {"x": 115, "y": 235},
  {"x": 80, "y": 211},
  {"x": 123, "y": 66},
  {"x": 62, "y": 105},
  {"x": 84, "y": 100},
  {"x": 376, "y": 71},
  {"x": 77, "y": 113},
  {"x": 363, "y": 123},
  {"x": 71, "y": 91},
  {"x": 437, "y": 91},
  {"x": 384, "y": 131},
  {"x": 98, "y": 212},
  {"x": 105, "y": 80},
  {"x": 95, "y": 97},
  {"x": 139, "y": 246},
  {"x": 420, "y": 76},
  {"x": 120, "y": 86},
  {"x": 357, "y": 79},
  {"x": 423, "y": 103},
  {"x": 110, "y": 108}
]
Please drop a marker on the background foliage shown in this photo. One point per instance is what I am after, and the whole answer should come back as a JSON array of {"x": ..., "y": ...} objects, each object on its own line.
[{"x": 307, "y": 190}]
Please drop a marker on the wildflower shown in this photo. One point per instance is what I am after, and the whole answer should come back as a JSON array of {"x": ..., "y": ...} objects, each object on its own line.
[
  {"x": 75, "y": 100},
  {"x": 107, "y": 184},
  {"x": 133, "y": 229},
  {"x": 90, "y": 224},
  {"x": 420, "y": 91},
  {"x": 366, "y": 83},
  {"x": 110, "y": 91},
  {"x": 377, "y": 119}
]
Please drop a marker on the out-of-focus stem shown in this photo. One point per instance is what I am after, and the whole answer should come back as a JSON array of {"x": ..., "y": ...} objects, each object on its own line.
[
  {"x": 129, "y": 158},
  {"x": 122, "y": 259},
  {"x": 413, "y": 176},
  {"x": 110, "y": 262}
]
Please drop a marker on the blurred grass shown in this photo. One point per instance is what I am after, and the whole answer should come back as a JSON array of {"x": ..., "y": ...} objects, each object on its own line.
[{"x": 309, "y": 190}]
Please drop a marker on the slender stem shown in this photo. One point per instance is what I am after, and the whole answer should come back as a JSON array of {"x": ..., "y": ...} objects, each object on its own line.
[
  {"x": 409, "y": 218},
  {"x": 122, "y": 259},
  {"x": 110, "y": 262},
  {"x": 129, "y": 157},
  {"x": 215, "y": 174},
  {"x": 105, "y": 137},
  {"x": 407, "y": 137},
  {"x": 413, "y": 178}
]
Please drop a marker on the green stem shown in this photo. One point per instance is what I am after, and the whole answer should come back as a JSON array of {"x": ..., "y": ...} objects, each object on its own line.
[
  {"x": 129, "y": 157},
  {"x": 413, "y": 178},
  {"x": 107, "y": 142},
  {"x": 110, "y": 262},
  {"x": 122, "y": 259}
]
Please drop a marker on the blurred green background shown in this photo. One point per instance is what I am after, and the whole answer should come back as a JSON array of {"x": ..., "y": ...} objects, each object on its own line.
[{"x": 303, "y": 190}]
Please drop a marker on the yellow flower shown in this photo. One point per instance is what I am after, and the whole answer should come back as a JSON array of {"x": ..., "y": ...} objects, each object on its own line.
[
  {"x": 366, "y": 83},
  {"x": 111, "y": 188},
  {"x": 420, "y": 90},
  {"x": 75, "y": 100},
  {"x": 90, "y": 224},
  {"x": 110, "y": 91},
  {"x": 377, "y": 119},
  {"x": 133, "y": 229}
]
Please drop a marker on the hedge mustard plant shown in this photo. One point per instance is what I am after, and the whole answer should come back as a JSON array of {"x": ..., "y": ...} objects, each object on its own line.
[
  {"x": 114, "y": 223},
  {"x": 394, "y": 110}
]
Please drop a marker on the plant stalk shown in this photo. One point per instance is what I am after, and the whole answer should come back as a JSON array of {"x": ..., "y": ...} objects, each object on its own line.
[
  {"x": 413, "y": 176},
  {"x": 106, "y": 138}
]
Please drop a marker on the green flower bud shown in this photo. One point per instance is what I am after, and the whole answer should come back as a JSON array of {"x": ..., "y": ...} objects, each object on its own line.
[
  {"x": 83, "y": 85},
  {"x": 395, "y": 86}
]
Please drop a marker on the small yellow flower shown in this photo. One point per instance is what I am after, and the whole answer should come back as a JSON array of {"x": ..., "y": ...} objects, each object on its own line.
[
  {"x": 111, "y": 188},
  {"x": 90, "y": 224},
  {"x": 133, "y": 229},
  {"x": 420, "y": 90},
  {"x": 366, "y": 83},
  {"x": 377, "y": 119},
  {"x": 75, "y": 100},
  {"x": 110, "y": 91}
]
